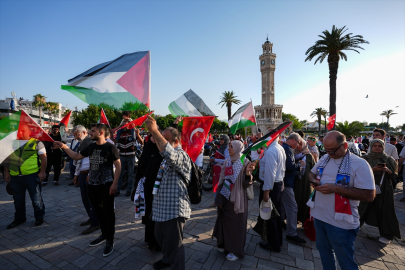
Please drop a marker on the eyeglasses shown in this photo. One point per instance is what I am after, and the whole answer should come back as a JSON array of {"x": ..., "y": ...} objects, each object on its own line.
[
  {"x": 221, "y": 138},
  {"x": 334, "y": 151}
]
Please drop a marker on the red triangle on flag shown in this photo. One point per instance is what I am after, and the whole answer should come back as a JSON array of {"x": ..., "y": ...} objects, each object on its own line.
[
  {"x": 194, "y": 133},
  {"x": 28, "y": 129},
  {"x": 65, "y": 120},
  {"x": 103, "y": 118}
]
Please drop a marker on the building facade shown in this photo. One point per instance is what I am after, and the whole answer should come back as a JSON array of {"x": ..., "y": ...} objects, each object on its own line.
[{"x": 268, "y": 115}]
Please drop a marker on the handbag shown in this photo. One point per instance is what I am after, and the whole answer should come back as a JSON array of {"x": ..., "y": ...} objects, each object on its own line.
[
  {"x": 309, "y": 228},
  {"x": 250, "y": 193},
  {"x": 378, "y": 187}
]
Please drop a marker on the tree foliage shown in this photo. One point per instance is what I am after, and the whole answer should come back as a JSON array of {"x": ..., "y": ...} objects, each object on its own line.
[
  {"x": 228, "y": 98},
  {"x": 354, "y": 128},
  {"x": 388, "y": 114},
  {"x": 297, "y": 124},
  {"x": 318, "y": 112}
]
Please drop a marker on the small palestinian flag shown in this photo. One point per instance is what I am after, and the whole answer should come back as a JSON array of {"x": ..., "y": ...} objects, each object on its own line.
[
  {"x": 189, "y": 104},
  {"x": 243, "y": 117},
  {"x": 103, "y": 118},
  {"x": 266, "y": 140},
  {"x": 64, "y": 123},
  {"x": 15, "y": 131}
]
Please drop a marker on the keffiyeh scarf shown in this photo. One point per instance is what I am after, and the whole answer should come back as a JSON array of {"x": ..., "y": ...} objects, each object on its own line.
[
  {"x": 342, "y": 204},
  {"x": 139, "y": 199},
  {"x": 231, "y": 173}
]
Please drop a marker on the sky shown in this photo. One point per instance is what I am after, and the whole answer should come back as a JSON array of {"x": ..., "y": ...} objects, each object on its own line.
[{"x": 210, "y": 47}]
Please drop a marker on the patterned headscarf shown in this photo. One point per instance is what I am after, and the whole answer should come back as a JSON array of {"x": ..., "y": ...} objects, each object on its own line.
[
  {"x": 237, "y": 148},
  {"x": 304, "y": 148}
]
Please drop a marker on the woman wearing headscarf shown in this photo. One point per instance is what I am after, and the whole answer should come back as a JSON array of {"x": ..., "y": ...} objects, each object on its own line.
[
  {"x": 381, "y": 212},
  {"x": 230, "y": 226},
  {"x": 302, "y": 186},
  {"x": 223, "y": 148}
]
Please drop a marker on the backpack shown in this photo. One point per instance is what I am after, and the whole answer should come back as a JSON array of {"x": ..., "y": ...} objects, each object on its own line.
[{"x": 195, "y": 186}]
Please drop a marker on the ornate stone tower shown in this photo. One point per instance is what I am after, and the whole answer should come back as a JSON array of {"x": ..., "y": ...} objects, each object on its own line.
[{"x": 268, "y": 114}]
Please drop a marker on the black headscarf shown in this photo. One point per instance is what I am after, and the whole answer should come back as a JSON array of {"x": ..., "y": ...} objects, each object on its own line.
[{"x": 149, "y": 156}]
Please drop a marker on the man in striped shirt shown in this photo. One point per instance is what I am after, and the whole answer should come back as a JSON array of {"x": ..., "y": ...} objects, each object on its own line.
[{"x": 126, "y": 146}]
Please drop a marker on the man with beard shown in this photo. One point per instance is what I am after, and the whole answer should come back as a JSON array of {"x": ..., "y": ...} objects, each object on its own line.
[
  {"x": 54, "y": 157},
  {"x": 80, "y": 177},
  {"x": 102, "y": 181}
]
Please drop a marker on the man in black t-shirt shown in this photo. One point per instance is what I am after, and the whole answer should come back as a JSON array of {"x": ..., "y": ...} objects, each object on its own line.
[{"x": 102, "y": 181}]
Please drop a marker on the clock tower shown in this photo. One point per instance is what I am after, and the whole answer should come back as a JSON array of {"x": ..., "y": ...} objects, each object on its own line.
[{"x": 268, "y": 115}]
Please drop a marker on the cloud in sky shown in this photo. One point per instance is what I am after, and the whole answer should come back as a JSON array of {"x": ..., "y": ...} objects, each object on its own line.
[{"x": 353, "y": 86}]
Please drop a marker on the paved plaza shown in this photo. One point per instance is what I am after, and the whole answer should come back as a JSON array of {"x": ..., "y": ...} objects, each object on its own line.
[{"x": 57, "y": 244}]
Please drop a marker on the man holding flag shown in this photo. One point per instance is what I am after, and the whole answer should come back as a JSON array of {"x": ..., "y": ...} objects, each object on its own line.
[{"x": 54, "y": 158}]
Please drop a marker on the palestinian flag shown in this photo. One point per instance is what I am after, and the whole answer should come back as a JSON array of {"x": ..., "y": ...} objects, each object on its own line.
[
  {"x": 121, "y": 84},
  {"x": 243, "y": 117},
  {"x": 266, "y": 140},
  {"x": 189, "y": 104},
  {"x": 64, "y": 123},
  {"x": 15, "y": 131},
  {"x": 103, "y": 118}
]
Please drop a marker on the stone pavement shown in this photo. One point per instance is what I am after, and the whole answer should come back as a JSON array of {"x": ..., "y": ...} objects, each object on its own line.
[{"x": 57, "y": 244}]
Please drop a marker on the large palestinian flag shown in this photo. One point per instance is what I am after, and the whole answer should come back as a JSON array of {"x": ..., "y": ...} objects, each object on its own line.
[
  {"x": 120, "y": 84},
  {"x": 266, "y": 140},
  {"x": 243, "y": 117},
  {"x": 15, "y": 131},
  {"x": 189, "y": 104}
]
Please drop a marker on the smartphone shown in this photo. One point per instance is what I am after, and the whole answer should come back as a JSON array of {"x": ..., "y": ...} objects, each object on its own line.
[
  {"x": 382, "y": 165},
  {"x": 315, "y": 182}
]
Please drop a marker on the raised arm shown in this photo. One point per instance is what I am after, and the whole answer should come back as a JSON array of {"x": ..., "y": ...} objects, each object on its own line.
[{"x": 72, "y": 154}]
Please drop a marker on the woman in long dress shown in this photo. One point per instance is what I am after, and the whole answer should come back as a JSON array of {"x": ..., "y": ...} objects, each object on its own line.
[
  {"x": 302, "y": 186},
  {"x": 231, "y": 199},
  {"x": 381, "y": 212}
]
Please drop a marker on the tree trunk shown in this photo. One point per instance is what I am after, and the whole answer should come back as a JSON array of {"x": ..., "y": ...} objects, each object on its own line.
[
  {"x": 325, "y": 124},
  {"x": 229, "y": 106},
  {"x": 40, "y": 119},
  {"x": 333, "y": 61},
  {"x": 388, "y": 125},
  {"x": 319, "y": 125}
]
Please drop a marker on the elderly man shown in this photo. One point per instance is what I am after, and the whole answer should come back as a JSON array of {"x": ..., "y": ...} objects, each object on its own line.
[
  {"x": 102, "y": 181},
  {"x": 80, "y": 177},
  {"x": 289, "y": 205},
  {"x": 171, "y": 204},
  {"x": 341, "y": 180},
  {"x": 272, "y": 169},
  {"x": 25, "y": 170}
]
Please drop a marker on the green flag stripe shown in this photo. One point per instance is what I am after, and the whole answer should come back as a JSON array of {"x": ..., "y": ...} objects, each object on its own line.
[
  {"x": 175, "y": 110},
  {"x": 241, "y": 124},
  {"x": 9, "y": 124}
]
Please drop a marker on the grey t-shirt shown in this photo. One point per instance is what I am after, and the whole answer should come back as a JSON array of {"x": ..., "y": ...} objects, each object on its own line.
[{"x": 361, "y": 177}]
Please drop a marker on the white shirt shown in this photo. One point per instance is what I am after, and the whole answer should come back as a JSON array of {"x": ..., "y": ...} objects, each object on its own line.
[
  {"x": 200, "y": 159},
  {"x": 226, "y": 154},
  {"x": 272, "y": 165},
  {"x": 390, "y": 150},
  {"x": 402, "y": 154},
  {"x": 254, "y": 155}
]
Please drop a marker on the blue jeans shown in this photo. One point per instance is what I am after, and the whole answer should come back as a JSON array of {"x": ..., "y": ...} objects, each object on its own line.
[
  {"x": 72, "y": 168},
  {"x": 31, "y": 183},
  {"x": 129, "y": 163},
  {"x": 331, "y": 241},
  {"x": 84, "y": 191}
]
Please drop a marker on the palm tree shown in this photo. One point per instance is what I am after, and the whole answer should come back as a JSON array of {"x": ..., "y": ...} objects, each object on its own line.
[
  {"x": 39, "y": 102},
  {"x": 52, "y": 108},
  {"x": 353, "y": 128},
  {"x": 387, "y": 114},
  {"x": 332, "y": 44},
  {"x": 325, "y": 114},
  {"x": 318, "y": 113},
  {"x": 227, "y": 98}
]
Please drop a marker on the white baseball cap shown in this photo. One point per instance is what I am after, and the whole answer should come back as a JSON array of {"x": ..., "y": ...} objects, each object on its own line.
[{"x": 265, "y": 209}]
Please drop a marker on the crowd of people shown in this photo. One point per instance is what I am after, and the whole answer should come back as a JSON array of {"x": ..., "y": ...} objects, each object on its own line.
[{"x": 343, "y": 183}]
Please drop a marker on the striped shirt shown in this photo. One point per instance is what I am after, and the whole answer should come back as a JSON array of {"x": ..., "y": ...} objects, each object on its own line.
[{"x": 126, "y": 144}]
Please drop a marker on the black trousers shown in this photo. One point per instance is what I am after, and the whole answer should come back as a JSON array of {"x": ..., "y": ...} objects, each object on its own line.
[
  {"x": 56, "y": 162},
  {"x": 103, "y": 204},
  {"x": 274, "y": 230},
  {"x": 169, "y": 235}
]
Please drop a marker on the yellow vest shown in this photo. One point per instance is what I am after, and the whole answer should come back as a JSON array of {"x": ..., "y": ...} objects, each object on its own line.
[{"x": 25, "y": 160}]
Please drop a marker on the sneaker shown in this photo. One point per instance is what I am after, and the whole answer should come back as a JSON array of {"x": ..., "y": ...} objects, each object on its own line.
[
  {"x": 91, "y": 229},
  {"x": 15, "y": 223},
  {"x": 109, "y": 248},
  {"x": 220, "y": 249},
  {"x": 116, "y": 194},
  {"x": 44, "y": 183},
  {"x": 98, "y": 241},
  {"x": 296, "y": 239},
  {"x": 55, "y": 183},
  {"x": 266, "y": 245},
  {"x": 128, "y": 194},
  {"x": 231, "y": 257},
  {"x": 39, "y": 222},
  {"x": 384, "y": 240},
  {"x": 88, "y": 222},
  {"x": 160, "y": 265}
]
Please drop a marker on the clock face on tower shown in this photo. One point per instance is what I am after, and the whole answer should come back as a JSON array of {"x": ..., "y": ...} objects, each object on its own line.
[
  {"x": 263, "y": 63},
  {"x": 272, "y": 62}
]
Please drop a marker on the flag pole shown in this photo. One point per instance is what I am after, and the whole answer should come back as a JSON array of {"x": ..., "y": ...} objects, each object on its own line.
[{"x": 257, "y": 128}]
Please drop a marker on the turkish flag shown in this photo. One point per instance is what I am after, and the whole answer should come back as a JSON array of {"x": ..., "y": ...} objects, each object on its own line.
[
  {"x": 194, "y": 133},
  {"x": 137, "y": 122},
  {"x": 331, "y": 122},
  {"x": 103, "y": 118}
]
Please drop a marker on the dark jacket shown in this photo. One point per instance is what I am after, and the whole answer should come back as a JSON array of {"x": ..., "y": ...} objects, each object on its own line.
[{"x": 291, "y": 168}]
